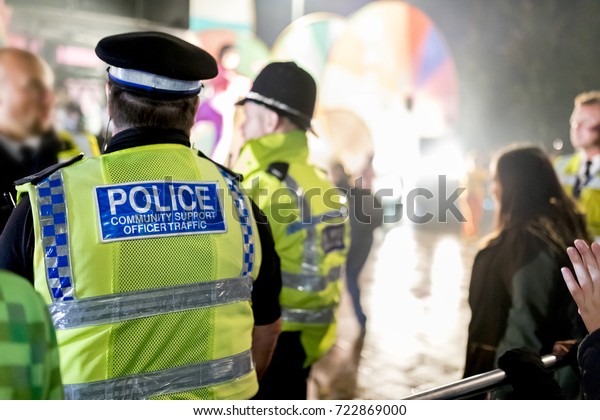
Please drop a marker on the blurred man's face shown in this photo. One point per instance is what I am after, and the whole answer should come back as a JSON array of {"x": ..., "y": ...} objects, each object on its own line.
[
  {"x": 25, "y": 97},
  {"x": 585, "y": 126},
  {"x": 259, "y": 121}
]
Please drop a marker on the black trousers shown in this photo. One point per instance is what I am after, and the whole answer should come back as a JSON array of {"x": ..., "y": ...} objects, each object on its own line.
[{"x": 286, "y": 377}]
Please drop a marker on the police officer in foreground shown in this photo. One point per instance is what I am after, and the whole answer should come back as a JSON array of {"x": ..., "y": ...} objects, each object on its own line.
[
  {"x": 305, "y": 213},
  {"x": 147, "y": 255}
]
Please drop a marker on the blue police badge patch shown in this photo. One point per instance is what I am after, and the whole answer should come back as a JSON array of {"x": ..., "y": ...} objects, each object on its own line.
[{"x": 153, "y": 209}]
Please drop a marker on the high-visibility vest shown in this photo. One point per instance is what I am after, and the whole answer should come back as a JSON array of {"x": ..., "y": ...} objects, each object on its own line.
[
  {"x": 146, "y": 259},
  {"x": 76, "y": 143},
  {"x": 567, "y": 169},
  {"x": 311, "y": 233}
]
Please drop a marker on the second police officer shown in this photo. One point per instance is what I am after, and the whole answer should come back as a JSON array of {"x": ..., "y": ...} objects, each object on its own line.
[{"x": 305, "y": 212}]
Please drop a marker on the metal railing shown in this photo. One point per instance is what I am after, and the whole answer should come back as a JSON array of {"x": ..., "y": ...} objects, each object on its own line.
[{"x": 473, "y": 386}]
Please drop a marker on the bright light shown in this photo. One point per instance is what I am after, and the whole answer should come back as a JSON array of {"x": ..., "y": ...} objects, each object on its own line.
[
  {"x": 445, "y": 159},
  {"x": 558, "y": 144}
]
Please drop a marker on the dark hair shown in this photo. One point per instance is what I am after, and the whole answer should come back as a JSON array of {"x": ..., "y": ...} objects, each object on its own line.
[
  {"x": 129, "y": 110},
  {"x": 532, "y": 196}
]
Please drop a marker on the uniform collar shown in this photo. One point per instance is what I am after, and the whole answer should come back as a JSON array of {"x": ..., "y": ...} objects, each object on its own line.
[
  {"x": 291, "y": 147},
  {"x": 145, "y": 136}
]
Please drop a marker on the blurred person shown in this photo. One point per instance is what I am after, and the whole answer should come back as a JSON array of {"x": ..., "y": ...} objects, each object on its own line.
[
  {"x": 585, "y": 289},
  {"x": 476, "y": 184},
  {"x": 308, "y": 223},
  {"x": 26, "y": 144},
  {"x": 72, "y": 131},
  {"x": 147, "y": 254},
  {"x": 365, "y": 214},
  {"x": 30, "y": 367},
  {"x": 579, "y": 173},
  {"x": 516, "y": 294},
  {"x": 524, "y": 368}
]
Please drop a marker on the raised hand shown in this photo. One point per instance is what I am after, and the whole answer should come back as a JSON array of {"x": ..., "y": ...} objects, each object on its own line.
[{"x": 586, "y": 288}]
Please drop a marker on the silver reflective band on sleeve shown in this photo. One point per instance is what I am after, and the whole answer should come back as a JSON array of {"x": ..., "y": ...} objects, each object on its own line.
[
  {"x": 154, "y": 81},
  {"x": 310, "y": 282},
  {"x": 308, "y": 316},
  {"x": 110, "y": 309},
  {"x": 163, "y": 382}
]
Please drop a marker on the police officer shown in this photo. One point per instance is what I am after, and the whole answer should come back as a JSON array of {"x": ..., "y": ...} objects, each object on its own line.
[
  {"x": 305, "y": 213},
  {"x": 147, "y": 255},
  {"x": 580, "y": 172}
]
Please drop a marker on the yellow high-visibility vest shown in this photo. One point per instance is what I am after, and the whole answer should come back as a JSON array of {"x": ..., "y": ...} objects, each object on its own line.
[
  {"x": 146, "y": 258},
  {"x": 567, "y": 169},
  {"x": 311, "y": 232}
]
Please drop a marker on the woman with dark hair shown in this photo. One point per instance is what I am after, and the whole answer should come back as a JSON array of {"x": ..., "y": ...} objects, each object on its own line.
[{"x": 517, "y": 296}]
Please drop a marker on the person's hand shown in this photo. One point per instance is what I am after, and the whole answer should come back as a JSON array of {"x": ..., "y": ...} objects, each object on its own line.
[
  {"x": 562, "y": 348},
  {"x": 586, "y": 289},
  {"x": 529, "y": 378}
]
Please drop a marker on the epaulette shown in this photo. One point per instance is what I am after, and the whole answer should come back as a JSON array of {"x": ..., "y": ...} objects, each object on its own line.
[
  {"x": 279, "y": 170},
  {"x": 45, "y": 173},
  {"x": 238, "y": 177}
]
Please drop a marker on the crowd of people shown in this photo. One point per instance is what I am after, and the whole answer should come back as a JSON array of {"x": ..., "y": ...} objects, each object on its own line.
[
  {"x": 517, "y": 294},
  {"x": 150, "y": 264}
]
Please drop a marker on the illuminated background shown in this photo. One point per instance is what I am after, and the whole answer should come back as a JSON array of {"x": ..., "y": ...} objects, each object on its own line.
[{"x": 418, "y": 84}]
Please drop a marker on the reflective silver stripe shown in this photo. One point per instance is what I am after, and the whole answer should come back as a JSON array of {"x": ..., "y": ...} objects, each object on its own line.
[
  {"x": 310, "y": 260},
  {"x": 309, "y": 268},
  {"x": 308, "y": 316},
  {"x": 154, "y": 81},
  {"x": 253, "y": 96},
  {"x": 163, "y": 382},
  {"x": 310, "y": 282},
  {"x": 110, "y": 309}
]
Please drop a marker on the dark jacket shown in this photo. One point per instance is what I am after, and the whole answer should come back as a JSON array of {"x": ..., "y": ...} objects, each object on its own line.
[
  {"x": 589, "y": 363},
  {"x": 12, "y": 170},
  {"x": 518, "y": 299}
]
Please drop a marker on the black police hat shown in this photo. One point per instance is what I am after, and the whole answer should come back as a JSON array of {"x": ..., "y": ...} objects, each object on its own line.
[
  {"x": 156, "y": 64},
  {"x": 285, "y": 88}
]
